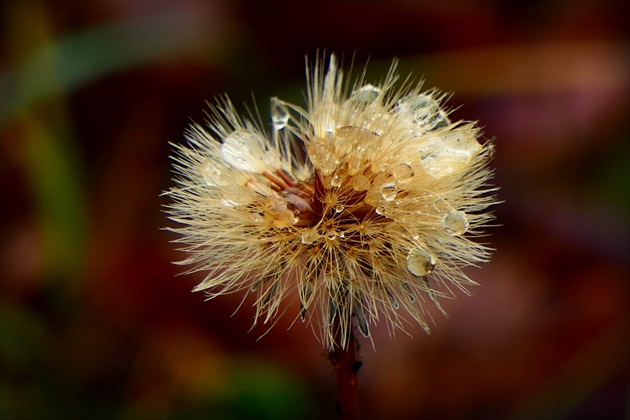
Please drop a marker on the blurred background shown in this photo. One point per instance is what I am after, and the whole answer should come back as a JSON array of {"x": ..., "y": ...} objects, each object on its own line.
[{"x": 96, "y": 324}]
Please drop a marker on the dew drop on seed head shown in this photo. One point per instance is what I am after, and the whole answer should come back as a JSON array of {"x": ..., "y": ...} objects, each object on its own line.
[
  {"x": 244, "y": 150},
  {"x": 439, "y": 120},
  {"x": 421, "y": 107},
  {"x": 310, "y": 236},
  {"x": 455, "y": 222},
  {"x": 380, "y": 210},
  {"x": 388, "y": 191},
  {"x": 212, "y": 175},
  {"x": 403, "y": 172},
  {"x": 279, "y": 114},
  {"x": 365, "y": 94},
  {"x": 420, "y": 262},
  {"x": 283, "y": 218},
  {"x": 335, "y": 181},
  {"x": 360, "y": 183},
  {"x": 339, "y": 208},
  {"x": 448, "y": 153},
  {"x": 417, "y": 102}
]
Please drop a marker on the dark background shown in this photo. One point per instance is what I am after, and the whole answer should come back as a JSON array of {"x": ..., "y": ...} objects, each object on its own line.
[{"x": 96, "y": 324}]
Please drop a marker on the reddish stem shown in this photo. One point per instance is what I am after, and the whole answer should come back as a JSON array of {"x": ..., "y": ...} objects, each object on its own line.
[{"x": 346, "y": 367}]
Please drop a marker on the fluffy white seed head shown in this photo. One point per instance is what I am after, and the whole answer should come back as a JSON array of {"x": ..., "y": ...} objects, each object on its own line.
[{"x": 358, "y": 206}]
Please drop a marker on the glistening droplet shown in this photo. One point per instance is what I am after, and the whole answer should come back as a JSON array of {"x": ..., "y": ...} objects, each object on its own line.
[
  {"x": 244, "y": 150},
  {"x": 389, "y": 191},
  {"x": 279, "y": 114},
  {"x": 420, "y": 262},
  {"x": 403, "y": 172},
  {"x": 283, "y": 218},
  {"x": 365, "y": 95},
  {"x": 310, "y": 236},
  {"x": 212, "y": 175},
  {"x": 449, "y": 153},
  {"x": 455, "y": 222},
  {"x": 422, "y": 107}
]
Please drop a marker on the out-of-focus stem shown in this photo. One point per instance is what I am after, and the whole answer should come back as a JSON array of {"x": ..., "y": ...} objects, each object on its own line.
[{"x": 346, "y": 366}]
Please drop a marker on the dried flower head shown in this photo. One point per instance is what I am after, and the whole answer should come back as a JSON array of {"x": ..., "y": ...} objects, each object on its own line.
[{"x": 362, "y": 205}]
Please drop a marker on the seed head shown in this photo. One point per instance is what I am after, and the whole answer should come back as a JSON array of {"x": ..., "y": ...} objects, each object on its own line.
[{"x": 363, "y": 205}]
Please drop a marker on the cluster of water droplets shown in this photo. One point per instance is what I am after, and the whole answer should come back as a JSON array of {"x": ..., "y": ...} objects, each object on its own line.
[
  {"x": 442, "y": 151},
  {"x": 420, "y": 261},
  {"x": 424, "y": 111},
  {"x": 439, "y": 153},
  {"x": 384, "y": 191},
  {"x": 246, "y": 152}
]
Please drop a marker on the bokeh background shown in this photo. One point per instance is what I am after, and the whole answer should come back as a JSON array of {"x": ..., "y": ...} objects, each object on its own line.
[{"x": 96, "y": 324}]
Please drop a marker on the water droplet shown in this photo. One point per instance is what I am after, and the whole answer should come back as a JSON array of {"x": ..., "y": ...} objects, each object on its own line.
[
  {"x": 448, "y": 153},
  {"x": 417, "y": 102},
  {"x": 365, "y": 95},
  {"x": 438, "y": 120},
  {"x": 339, "y": 208},
  {"x": 212, "y": 175},
  {"x": 283, "y": 218},
  {"x": 310, "y": 236},
  {"x": 360, "y": 183},
  {"x": 455, "y": 222},
  {"x": 279, "y": 114},
  {"x": 380, "y": 210},
  {"x": 461, "y": 142},
  {"x": 335, "y": 181},
  {"x": 403, "y": 172},
  {"x": 420, "y": 262},
  {"x": 422, "y": 107},
  {"x": 245, "y": 150},
  {"x": 389, "y": 191}
]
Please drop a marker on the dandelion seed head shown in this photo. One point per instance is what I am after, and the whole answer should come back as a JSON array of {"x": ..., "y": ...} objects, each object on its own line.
[{"x": 356, "y": 206}]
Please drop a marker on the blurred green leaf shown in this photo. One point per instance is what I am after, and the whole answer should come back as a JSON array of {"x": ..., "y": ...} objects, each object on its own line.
[{"x": 82, "y": 57}]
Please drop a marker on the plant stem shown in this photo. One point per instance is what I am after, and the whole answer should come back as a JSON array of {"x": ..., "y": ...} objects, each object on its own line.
[{"x": 346, "y": 367}]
